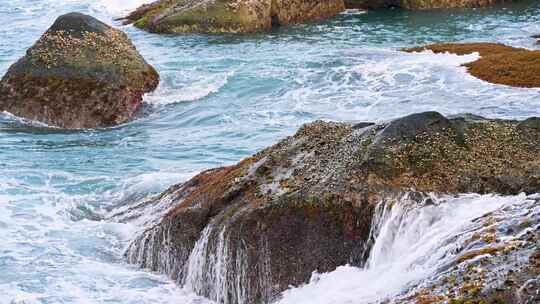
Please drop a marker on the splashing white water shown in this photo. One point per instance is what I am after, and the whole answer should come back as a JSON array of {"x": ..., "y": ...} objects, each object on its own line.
[
  {"x": 120, "y": 7},
  {"x": 194, "y": 89},
  {"x": 411, "y": 244}
]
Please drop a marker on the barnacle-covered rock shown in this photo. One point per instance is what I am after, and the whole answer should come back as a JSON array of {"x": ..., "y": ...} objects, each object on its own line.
[
  {"x": 216, "y": 16},
  {"x": 81, "y": 73},
  {"x": 245, "y": 233}
]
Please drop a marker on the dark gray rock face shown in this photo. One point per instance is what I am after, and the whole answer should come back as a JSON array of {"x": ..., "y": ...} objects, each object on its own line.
[
  {"x": 532, "y": 124},
  {"x": 410, "y": 126},
  {"x": 245, "y": 233},
  {"x": 80, "y": 74}
]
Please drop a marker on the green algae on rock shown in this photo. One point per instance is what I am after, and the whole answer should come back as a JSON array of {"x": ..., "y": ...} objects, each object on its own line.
[
  {"x": 233, "y": 16},
  {"x": 422, "y": 4},
  {"x": 499, "y": 64},
  {"x": 307, "y": 203},
  {"x": 81, "y": 73}
]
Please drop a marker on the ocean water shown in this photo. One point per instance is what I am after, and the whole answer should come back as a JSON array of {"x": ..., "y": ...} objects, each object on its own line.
[{"x": 222, "y": 98}]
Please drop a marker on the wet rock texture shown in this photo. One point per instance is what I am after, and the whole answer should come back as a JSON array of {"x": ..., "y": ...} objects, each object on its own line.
[
  {"x": 422, "y": 4},
  {"x": 181, "y": 16},
  {"x": 499, "y": 64},
  {"x": 498, "y": 264},
  {"x": 80, "y": 74},
  {"x": 243, "y": 234}
]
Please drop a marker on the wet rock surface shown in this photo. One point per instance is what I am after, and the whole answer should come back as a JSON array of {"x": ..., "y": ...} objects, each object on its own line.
[
  {"x": 180, "y": 16},
  {"x": 422, "y": 4},
  {"x": 81, "y": 73},
  {"x": 245, "y": 233},
  {"x": 499, "y": 64}
]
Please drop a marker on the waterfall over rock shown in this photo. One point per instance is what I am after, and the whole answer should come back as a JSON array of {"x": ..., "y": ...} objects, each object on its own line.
[
  {"x": 371, "y": 196},
  {"x": 418, "y": 247}
]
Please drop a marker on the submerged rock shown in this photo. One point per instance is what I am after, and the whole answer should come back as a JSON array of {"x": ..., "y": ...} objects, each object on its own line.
[
  {"x": 81, "y": 73},
  {"x": 498, "y": 64},
  {"x": 178, "y": 16},
  {"x": 245, "y": 233},
  {"x": 422, "y": 4}
]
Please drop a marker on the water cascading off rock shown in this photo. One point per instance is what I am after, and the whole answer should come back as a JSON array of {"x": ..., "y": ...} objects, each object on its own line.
[{"x": 245, "y": 233}]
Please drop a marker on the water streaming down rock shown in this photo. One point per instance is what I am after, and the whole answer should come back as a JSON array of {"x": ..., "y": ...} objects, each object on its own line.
[
  {"x": 415, "y": 241},
  {"x": 214, "y": 267},
  {"x": 418, "y": 246}
]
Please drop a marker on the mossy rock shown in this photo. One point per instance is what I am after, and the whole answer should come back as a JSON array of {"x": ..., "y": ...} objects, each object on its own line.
[
  {"x": 499, "y": 64},
  {"x": 231, "y": 16},
  {"x": 81, "y": 73},
  {"x": 422, "y": 4}
]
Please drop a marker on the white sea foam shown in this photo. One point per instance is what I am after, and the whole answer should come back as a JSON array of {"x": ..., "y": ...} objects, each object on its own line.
[
  {"x": 354, "y": 12},
  {"x": 120, "y": 7},
  {"x": 58, "y": 259},
  {"x": 379, "y": 84},
  {"x": 195, "y": 90}
]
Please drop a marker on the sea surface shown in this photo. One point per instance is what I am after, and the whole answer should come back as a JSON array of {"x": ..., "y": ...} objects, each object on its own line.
[{"x": 221, "y": 98}]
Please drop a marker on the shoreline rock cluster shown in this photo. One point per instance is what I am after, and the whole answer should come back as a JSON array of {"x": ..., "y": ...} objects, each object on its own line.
[
  {"x": 306, "y": 203},
  {"x": 243, "y": 16}
]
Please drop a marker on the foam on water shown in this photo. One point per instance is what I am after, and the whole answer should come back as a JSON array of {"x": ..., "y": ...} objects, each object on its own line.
[
  {"x": 411, "y": 243},
  {"x": 120, "y": 7},
  {"x": 191, "y": 90},
  {"x": 53, "y": 252}
]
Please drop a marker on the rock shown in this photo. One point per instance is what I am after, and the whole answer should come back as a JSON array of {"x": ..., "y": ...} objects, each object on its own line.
[
  {"x": 532, "y": 123},
  {"x": 361, "y": 125},
  {"x": 166, "y": 16},
  {"x": 421, "y": 4},
  {"x": 411, "y": 126},
  {"x": 245, "y": 233},
  {"x": 499, "y": 64},
  {"x": 80, "y": 74}
]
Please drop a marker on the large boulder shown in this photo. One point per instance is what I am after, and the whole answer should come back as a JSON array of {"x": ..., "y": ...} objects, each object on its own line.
[
  {"x": 245, "y": 233},
  {"x": 499, "y": 64},
  {"x": 181, "y": 16},
  {"x": 81, "y": 73},
  {"x": 422, "y": 4}
]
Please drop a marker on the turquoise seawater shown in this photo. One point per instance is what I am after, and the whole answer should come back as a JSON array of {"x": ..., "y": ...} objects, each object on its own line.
[{"x": 222, "y": 98}]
